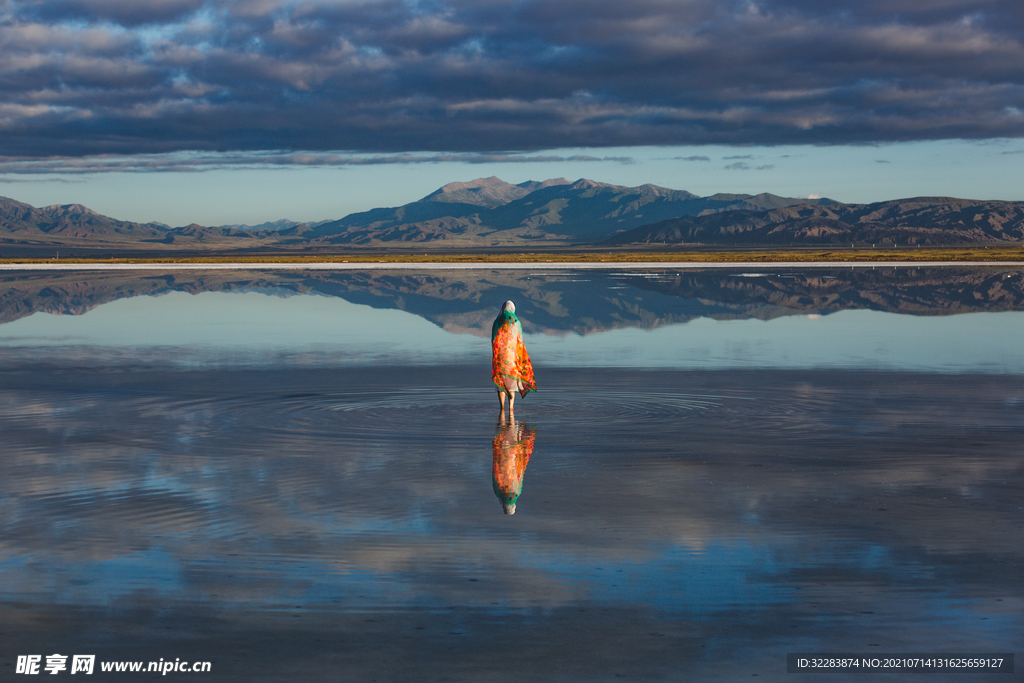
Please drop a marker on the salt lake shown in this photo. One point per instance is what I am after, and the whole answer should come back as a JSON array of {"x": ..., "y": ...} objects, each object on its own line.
[{"x": 291, "y": 474}]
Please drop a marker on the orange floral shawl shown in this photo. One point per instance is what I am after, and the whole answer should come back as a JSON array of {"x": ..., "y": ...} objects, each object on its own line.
[{"x": 509, "y": 357}]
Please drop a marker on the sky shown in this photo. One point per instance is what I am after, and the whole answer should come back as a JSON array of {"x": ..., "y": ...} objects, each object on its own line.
[{"x": 243, "y": 111}]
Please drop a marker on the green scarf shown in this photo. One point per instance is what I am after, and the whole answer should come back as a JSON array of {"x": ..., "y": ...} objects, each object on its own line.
[{"x": 500, "y": 320}]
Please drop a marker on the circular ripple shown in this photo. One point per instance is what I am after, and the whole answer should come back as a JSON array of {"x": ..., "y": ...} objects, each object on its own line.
[
  {"x": 625, "y": 406},
  {"x": 415, "y": 410},
  {"x": 418, "y": 413}
]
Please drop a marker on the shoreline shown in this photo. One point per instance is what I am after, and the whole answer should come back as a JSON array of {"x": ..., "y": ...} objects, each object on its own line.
[{"x": 499, "y": 265}]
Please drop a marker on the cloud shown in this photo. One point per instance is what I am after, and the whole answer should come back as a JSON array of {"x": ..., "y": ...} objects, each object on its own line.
[
  {"x": 13, "y": 181},
  {"x": 192, "y": 162},
  {"x": 381, "y": 77},
  {"x": 134, "y": 13},
  {"x": 744, "y": 166}
]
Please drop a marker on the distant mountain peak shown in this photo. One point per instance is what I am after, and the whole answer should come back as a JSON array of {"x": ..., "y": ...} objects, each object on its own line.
[
  {"x": 69, "y": 210},
  {"x": 480, "y": 183},
  {"x": 488, "y": 192},
  {"x": 485, "y": 192},
  {"x": 647, "y": 190},
  {"x": 586, "y": 184}
]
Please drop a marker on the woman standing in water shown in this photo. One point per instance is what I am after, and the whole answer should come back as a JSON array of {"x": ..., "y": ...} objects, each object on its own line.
[{"x": 511, "y": 368}]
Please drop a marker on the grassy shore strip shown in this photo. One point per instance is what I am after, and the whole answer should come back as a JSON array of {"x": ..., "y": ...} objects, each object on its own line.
[{"x": 950, "y": 255}]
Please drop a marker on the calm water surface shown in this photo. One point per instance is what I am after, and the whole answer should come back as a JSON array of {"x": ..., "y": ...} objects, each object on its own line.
[{"x": 298, "y": 477}]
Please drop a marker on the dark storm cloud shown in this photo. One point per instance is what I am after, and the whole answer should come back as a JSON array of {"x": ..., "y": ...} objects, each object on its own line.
[{"x": 89, "y": 77}]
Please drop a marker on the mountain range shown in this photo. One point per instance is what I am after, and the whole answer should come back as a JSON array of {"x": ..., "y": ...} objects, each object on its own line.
[
  {"x": 919, "y": 221},
  {"x": 489, "y": 213}
]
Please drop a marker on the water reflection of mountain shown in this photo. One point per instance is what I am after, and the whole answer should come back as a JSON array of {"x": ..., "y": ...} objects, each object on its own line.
[{"x": 556, "y": 302}]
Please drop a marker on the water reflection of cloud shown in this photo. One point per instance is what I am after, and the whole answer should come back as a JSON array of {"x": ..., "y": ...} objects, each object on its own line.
[{"x": 290, "y": 503}]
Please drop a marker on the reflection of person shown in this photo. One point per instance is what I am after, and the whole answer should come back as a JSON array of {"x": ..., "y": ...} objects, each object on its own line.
[
  {"x": 511, "y": 368},
  {"x": 512, "y": 446}
]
